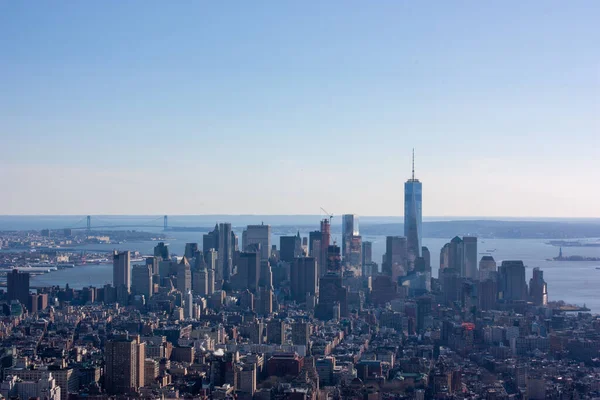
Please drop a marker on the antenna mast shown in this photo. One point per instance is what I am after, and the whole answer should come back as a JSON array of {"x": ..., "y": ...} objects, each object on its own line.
[{"x": 413, "y": 164}]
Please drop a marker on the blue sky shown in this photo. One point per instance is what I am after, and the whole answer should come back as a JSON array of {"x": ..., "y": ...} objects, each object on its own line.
[{"x": 276, "y": 107}]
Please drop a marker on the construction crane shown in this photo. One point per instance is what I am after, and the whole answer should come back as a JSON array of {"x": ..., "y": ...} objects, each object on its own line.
[
  {"x": 330, "y": 218},
  {"x": 329, "y": 215}
]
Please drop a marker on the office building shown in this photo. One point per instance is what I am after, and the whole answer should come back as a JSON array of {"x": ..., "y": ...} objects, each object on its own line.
[
  {"x": 314, "y": 244},
  {"x": 349, "y": 229},
  {"x": 470, "y": 257},
  {"x": 413, "y": 219},
  {"x": 124, "y": 366},
  {"x": 266, "y": 274},
  {"x": 152, "y": 262},
  {"x": 456, "y": 255},
  {"x": 290, "y": 247},
  {"x": 396, "y": 256},
  {"x": 161, "y": 251},
  {"x": 367, "y": 252},
  {"x": 426, "y": 257},
  {"x": 353, "y": 257},
  {"x": 18, "y": 286},
  {"x": 538, "y": 289},
  {"x": 189, "y": 305},
  {"x": 258, "y": 234},
  {"x": 200, "y": 282},
  {"x": 324, "y": 246},
  {"x": 184, "y": 276},
  {"x": 303, "y": 278},
  {"x": 190, "y": 250},
  {"x": 248, "y": 271},
  {"x": 423, "y": 312},
  {"x": 141, "y": 280},
  {"x": 265, "y": 301},
  {"x": 331, "y": 293},
  {"x": 511, "y": 281},
  {"x": 210, "y": 240},
  {"x": 487, "y": 266},
  {"x": 151, "y": 371},
  {"x": 222, "y": 240},
  {"x": 122, "y": 275}
]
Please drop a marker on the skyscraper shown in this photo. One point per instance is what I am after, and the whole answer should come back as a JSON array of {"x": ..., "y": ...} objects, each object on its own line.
[
  {"x": 210, "y": 240},
  {"x": 124, "y": 368},
  {"x": 470, "y": 257},
  {"x": 161, "y": 250},
  {"x": 538, "y": 289},
  {"x": 249, "y": 267},
  {"x": 190, "y": 250},
  {"x": 511, "y": 281},
  {"x": 456, "y": 255},
  {"x": 413, "y": 206},
  {"x": 258, "y": 234},
  {"x": 122, "y": 275},
  {"x": 303, "y": 278},
  {"x": 324, "y": 245},
  {"x": 290, "y": 247},
  {"x": 349, "y": 229},
  {"x": 141, "y": 280},
  {"x": 184, "y": 276},
  {"x": 396, "y": 254},
  {"x": 225, "y": 252},
  {"x": 18, "y": 286},
  {"x": 487, "y": 265},
  {"x": 367, "y": 252}
]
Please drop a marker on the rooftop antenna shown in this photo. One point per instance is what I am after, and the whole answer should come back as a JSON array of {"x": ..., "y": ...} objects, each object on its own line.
[{"x": 413, "y": 164}]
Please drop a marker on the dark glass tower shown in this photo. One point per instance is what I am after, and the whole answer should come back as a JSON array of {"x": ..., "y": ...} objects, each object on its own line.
[{"x": 413, "y": 220}]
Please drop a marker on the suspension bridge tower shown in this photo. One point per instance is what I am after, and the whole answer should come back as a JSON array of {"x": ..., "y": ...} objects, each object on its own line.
[
  {"x": 165, "y": 223},
  {"x": 89, "y": 222}
]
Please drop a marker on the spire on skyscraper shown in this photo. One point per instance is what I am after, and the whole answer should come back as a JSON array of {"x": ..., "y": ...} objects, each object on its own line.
[{"x": 413, "y": 164}]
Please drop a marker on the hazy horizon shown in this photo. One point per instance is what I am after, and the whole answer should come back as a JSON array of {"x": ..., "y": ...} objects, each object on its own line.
[{"x": 282, "y": 108}]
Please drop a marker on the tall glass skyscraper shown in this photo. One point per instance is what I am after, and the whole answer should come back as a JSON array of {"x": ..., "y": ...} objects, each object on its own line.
[{"x": 413, "y": 220}]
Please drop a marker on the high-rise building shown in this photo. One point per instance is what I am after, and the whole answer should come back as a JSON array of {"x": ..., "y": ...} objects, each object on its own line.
[
  {"x": 334, "y": 259},
  {"x": 470, "y": 257},
  {"x": 396, "y": 255},
  {"x": 210, "y": 240},
  {"x": 511, "y": 282},
  {"x": 200, "y": 281},
  {"x": 456, "y": 255},
  {"x": 258, "y": 234},
  {"x": 353, "y": 258},
  {"x": 124, "y": 367},
  {"x": 161, "y": 250},
  {"x": 152, "y": 262},
  {"x": 225, "y": 252},
  {"x": 266, "y": 274},
  {"x": 303, "y": 278},
  {"x": 249, "y": 267},
  {"x": 122, "y": 275},
  {"x": 314, "y": 244},
  {"x": 190, "y": 250},
  {"x": 487, "y": 265},
  {"x": 413, "y": 219},
  {"x": 300, "y": 333},
  {"x": 265, "y": 301},
  {"x": 184, "y": 276},
  {"x": 349, "y": 229},
  {"x": 276, "y": 331},
  {"x": 444, "y": 258},
  {"x": 18, "y": 286},
  {"x": 331, "y": 293},
  {"x": 324, "y": 245},
  {"x": 367, "y": 252},
  {"x": 290, "y": 247},
  {"x": 423, "y": 312},
  {"x": 426, "y": 256},
  {"x": 141, "y": 280},
  {"x": 189, "y": 305},
  {"x": 538, "y": 289}
]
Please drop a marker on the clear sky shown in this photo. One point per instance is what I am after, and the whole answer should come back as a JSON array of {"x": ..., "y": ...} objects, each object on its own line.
[{"x": 282, "y": 107}]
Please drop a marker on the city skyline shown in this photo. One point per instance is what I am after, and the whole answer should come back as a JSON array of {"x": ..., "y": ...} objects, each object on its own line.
[{"x": 322, "y": 93}]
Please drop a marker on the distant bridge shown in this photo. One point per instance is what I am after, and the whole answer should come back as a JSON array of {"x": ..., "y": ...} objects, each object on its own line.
[{"x": 106, "y": 225}]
